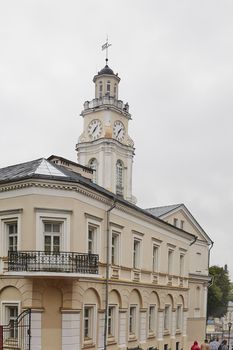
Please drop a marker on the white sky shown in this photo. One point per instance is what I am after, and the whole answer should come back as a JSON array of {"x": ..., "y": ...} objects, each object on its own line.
[{"x": 175, "y": 60}]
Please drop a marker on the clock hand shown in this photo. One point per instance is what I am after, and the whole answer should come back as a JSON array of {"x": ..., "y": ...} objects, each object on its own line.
[
  {"x": 94, "y": 129},
  {"x": 119, "y": 131}
]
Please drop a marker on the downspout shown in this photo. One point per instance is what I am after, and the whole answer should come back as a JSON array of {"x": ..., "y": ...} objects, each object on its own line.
[{"x": 107, "y": 275}]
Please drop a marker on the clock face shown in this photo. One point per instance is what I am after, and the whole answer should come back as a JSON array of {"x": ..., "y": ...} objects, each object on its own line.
[
  {"x": 95, "y": 129},
  {"x": 119, "y": 130}
]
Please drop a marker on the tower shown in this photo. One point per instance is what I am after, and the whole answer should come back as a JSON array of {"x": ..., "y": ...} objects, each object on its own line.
[{"x": 105, "y": 144}]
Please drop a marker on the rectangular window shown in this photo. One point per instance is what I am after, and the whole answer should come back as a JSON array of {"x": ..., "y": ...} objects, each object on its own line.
[
  {"x": 167, "y": 318},
  {"x": 136, "y": 254},
  {"x": 10, "y": 314},
  {"x": 175, "y": 222},
  {"x": 181, "y": 264},
  {"x": 182, "y": 224},
  {"x": 88, "y": 322},
  {"x": 52, "y": 236},
  {"x": 92, "y": 232},
  {"x": 179, "y": 317},
  {"x": 151, "y": 319},
  {"x": 111, "y": 319},
  {"x": 115, "y": 248},
  {"x": 132, "y": 320},
  {"x": 170, "y": 261},
  {"x": 12, "y": 231},
  {"x": 155, "y": 258}
]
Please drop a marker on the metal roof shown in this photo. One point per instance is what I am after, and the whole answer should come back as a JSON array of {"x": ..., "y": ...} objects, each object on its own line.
[{"x": 160, "y": 211}]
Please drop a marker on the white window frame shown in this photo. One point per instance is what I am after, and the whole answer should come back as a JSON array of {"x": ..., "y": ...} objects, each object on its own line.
[
  {"x": 182, "y": 264},
  {"x": 91, "y": 339},
  {"x": 167, "y": 318},
  {"x": 179, "y": 312},
  {"x": 52, "y": 234},
  {"x": 117, "y": 249},
  {"x": 155, "y": 257},
  {"x": 151, "y": 319},
  {"x": 137, "y": 253},
  {"x": 93, "y": 164},
  {"x": 4, "y": 305},
  {"x": 133, "y": 321},
  {"x": 170, "y": 260},
  {"x": 53, "y": 215},
  {"x": 113, "y": 331},
  {"x": 4, "y": 239}
]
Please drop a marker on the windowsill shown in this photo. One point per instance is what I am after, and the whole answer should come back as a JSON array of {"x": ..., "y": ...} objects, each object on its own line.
[
  {"x": 151, "y": 335},
  {"x": 132, "y": 337}
]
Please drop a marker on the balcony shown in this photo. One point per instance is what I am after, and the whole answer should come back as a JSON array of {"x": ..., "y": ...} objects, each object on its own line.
[
  {"x": 52, "y": 262},
  {"x": 106, "y": 101}
]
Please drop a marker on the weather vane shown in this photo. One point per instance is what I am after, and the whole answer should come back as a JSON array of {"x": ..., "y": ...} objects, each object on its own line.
[{"x": 105, "y": 47}]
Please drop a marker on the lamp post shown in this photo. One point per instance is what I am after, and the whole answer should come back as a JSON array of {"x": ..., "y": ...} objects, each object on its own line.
[{"x": 229, "y": 333}]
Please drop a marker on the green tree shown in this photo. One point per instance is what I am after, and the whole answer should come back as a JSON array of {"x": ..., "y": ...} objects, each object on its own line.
[{"x": 220, "y": 292}]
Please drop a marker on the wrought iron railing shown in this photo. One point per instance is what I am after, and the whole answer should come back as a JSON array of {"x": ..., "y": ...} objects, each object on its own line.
[{"x": 70, "y": 262}]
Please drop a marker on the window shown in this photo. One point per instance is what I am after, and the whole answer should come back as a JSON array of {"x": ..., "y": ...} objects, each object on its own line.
[
  {"x": 182, "y": 224},
  {"x": 111, "y": 321},
  {"x": 12, "y": 230},
  {"x": 136, "y": 254},
  {"x": 100, "y": 89},
  {"x": 132, "y": 320},
  {"x": 92, "y": 232},
  {"x": 170, "y": 261},
  {"x": 167, "y": 318},
  {"x": 175, "y": 221},
  {"x": 181, "y": 264},
  {"x": 155, "y": 258},
  {"x": 151, "y": 320},
  {"x": 10, "y": 314},
  {"x": 93, "y": 165},
  {"x": 115, "y": 248},
  {"x": 179, "y": 317},
  {"x": 119, "y": 178},
  {"x": 52, "y": 236},
  {"x": 108, "y": 87},
  {"x": 88, "y": 322}
]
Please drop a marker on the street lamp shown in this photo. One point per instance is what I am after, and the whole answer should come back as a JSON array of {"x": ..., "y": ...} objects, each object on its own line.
[{"x": 229, "y": 333}]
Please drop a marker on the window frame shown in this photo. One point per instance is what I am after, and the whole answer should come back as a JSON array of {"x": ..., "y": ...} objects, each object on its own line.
[
  {"x": 133, "y": 321},
  {"x": 91, "y": 339},
  {"x": 167, "y": 318},
  {"x": 115, "y": 249},
  {"x": 113, "y": 321},
  {"x": 152, "y": 320},
  {"x": 5, "y": 219},
  {"x": 155, "y": 258},
  {"x": 56, "y": 216},
  {"x": 96, "y": 223},
  {"x": 137, "y": 253},
  {"x": 179, "y": 311}
]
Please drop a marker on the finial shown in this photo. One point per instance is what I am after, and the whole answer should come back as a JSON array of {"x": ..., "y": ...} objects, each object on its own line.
[{"x": 105, "y": 47}]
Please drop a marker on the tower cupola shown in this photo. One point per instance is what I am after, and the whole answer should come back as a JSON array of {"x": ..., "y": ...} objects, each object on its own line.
[{"x": 106, "y": 83}]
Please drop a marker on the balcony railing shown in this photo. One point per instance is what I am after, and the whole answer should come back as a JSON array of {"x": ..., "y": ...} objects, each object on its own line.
[{"x": 63, "y": 262}]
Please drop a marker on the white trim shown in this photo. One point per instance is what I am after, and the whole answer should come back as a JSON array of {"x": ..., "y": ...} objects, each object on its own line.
[
  {"x": 7, "y": 218},
  {"x": 46, "y": 215},
  {"x": 97, "y": 239},
  {"x": 4, "y": 304}
]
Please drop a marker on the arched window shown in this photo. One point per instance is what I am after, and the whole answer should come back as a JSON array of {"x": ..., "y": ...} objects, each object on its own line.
[
  {"x": 93, "y": 165},
  {"x": 108, "y": 87},
  {"x": 100, "y": 89},
  {"x": 119, "y": 178}
]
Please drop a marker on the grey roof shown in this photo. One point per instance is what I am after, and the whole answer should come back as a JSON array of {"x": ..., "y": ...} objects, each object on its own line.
[
  {"x": 160, "y": 211},
  {"x": 106, "y": 70},
  {"x": 44, "y": 169}
]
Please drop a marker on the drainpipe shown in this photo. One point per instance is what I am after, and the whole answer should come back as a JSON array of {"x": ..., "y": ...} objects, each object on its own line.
[{"x": 107, "y": 275}]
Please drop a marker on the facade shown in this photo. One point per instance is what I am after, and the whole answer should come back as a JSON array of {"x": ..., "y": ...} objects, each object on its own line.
[{"x": 97, "y": 271}]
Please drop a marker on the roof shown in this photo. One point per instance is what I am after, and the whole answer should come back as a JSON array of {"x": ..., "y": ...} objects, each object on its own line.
[
  {"x": 160, "y": 211},
  {"x": 106, "y": 70},
  {"x": 47, "y": 170}
]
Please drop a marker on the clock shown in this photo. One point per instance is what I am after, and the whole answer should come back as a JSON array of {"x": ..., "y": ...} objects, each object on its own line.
[
  {"x": 119, "y": 130},
  {"x": 95, "y": 129}
]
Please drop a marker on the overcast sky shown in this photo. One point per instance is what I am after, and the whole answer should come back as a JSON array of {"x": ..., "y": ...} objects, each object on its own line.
[{"x": 175, "y": 60}]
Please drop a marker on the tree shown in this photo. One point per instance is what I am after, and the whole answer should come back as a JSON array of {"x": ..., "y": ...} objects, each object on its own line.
[{"x": 220, "y": 292}]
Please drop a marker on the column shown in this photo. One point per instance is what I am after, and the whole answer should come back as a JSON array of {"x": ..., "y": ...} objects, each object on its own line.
[
  {"x": 101, "y": 316},
  {"x": 122, "y": 328},
  {"x": 71, "y": 330},
  {"x": 36, "y": 329},
  {"x": 142, "y": 320},
  {"x": 173, "y": 329},
  {"x": 160, "y": 328}
]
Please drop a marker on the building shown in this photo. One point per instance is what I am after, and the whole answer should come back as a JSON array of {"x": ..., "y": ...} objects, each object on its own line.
[{"x": 96, "y": 270}]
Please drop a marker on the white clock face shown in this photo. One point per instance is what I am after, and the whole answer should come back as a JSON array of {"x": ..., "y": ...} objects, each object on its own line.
[
  {"x": 119, "y": 130},
  {"x": 95, "y": 129}
]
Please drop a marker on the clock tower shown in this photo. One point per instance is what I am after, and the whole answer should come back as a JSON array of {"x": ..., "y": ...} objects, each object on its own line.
[{"x": 105, "y": 144}]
